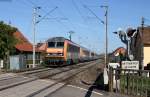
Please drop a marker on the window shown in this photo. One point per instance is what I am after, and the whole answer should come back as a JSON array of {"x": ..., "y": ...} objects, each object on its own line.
[
  {"x": 29, "y": 57},
  {"x": 60, "y": 44},
  {"x": 51, "y": 44}
]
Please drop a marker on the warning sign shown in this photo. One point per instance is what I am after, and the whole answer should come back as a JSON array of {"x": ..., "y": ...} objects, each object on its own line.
[{"x": 130, "y": 65}]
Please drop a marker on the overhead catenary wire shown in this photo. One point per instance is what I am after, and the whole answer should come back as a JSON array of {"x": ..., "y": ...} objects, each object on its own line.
[
  {"x": 59, "y": 19},
  {"x": 75, "y": 4},
  {"x": 147, "y": 21},
  {"x": 47, "y": 14},
  {"x": 59, "y": 22},
  {"x": 61, "y": 12},
  {"x": 78, "y": 10},
  {"x": 25, "y": 3},
  {"x": 81, "y": 15},
  {"x": 72, "y": 24},
  {"x": 32, "y": 3},
  {"x": 88, "y": 16},
  {"x": 93, "y": 14}
]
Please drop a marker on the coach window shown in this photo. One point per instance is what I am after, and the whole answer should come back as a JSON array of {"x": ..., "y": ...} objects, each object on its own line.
[
  {"x": 51, "y": 44},
  {"x": 60, "y": 44}
]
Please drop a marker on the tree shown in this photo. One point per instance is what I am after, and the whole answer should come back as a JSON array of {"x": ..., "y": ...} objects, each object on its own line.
[{"x": 7, "y": 42}]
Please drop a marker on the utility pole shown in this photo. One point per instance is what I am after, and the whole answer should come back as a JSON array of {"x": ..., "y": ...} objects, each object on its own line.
[
  {"x": 35, "y": 21},
  {"x": 105, "y": 74},
  {"x": 34, "y": 31},
  {"x": 142, "y": 44},
  {"x": 106, "y": 34}
]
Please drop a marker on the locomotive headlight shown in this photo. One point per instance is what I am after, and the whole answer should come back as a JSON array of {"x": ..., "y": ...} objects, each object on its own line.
[{"x": 60, "y": 54}]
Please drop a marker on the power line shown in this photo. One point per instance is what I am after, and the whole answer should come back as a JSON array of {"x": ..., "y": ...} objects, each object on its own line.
[
  {"x": 57, "y": 18},
  {"x": 58, "y": 21},
  {"x": 87, "y": 18},
  {"x": 94, "y": 14},
  {"x": 146, "y": 24},
  {"x": 25, "y": 3},
  {"x": 146, "y": 19},
  {"x": 62, "y": 24},
  {"x": 83, "y": 17},
  {"x": 78, "y": 10},
  {"x": 32, "y": 3},
  {"x": 47, "y": 14},
  {"x": 72, "y": 25}
]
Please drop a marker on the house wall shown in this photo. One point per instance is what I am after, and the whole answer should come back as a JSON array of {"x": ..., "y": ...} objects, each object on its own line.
[
  {"x": 146, "y": 55},
  {"x": 140, "y": 46},
  {"x": 17, "y": 62},
  {"x": 29, "y": 59},
  {"x": 136, "y": 48}
]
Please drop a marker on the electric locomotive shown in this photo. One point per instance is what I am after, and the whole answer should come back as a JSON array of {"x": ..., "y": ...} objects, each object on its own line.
[{"x": 61, "y": 51}]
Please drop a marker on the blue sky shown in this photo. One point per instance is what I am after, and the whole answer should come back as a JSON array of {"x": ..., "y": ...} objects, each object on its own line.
[{"x": 89, "y": 32}]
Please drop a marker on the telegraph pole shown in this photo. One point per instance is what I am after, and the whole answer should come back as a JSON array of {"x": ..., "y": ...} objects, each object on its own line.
[
  {"x": 35, "y": 21},
  {"x": 106, "y": 34},
  {"x": 106, "y": 54},
  {"x": 105, "y": 74},
  {"x": 34, "y": 31},
  {"x": 142, "y": 44}
]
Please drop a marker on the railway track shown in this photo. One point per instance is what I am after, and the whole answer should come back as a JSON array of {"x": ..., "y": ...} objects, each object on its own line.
[
  {"x": 40, "y": 73},
  {"x": 13, "y": 75},
  {"x": 56, "y": 75},
  {"x": 49, "y": 72},
  {"x": 59, "y": 78}
]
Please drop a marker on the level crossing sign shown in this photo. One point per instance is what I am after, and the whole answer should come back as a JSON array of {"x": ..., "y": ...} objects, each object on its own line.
[{"x": 130, "y": 65}]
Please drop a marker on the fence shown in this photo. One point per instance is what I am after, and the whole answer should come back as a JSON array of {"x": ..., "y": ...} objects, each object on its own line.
[{"x": 130, "y": 82}]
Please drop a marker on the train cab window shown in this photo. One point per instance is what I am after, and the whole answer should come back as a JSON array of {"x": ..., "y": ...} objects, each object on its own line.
[
  {"x": 60, "y": 44},
  {"x": 51, "y": 44}
]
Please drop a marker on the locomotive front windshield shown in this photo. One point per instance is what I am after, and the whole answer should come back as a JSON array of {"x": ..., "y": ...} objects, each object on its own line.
[
  {"x": 51, "y": 44},
  {"x": 55, "y": 44},
  {"x": 60, "y": 44}
]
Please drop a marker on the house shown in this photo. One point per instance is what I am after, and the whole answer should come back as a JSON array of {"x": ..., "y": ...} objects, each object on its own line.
[
  {"x": 42, "y": 48},
  {"x": 120, "y": 50},
  {"x": 117, "y": 55},
  {"x": 22, "y": 56},
  {"x": 140, "y": 46}
]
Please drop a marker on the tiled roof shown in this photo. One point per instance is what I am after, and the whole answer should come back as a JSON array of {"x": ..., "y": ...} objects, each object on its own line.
[
  {"x": 23, "y": 44},
  {"x": 121, "y": 50},
  {"x": 24, "y": 47},
  {"x": 146, "y": 35}
]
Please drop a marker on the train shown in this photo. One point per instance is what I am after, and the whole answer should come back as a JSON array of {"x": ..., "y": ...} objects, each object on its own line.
[{"x": 62, "y": 51}]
